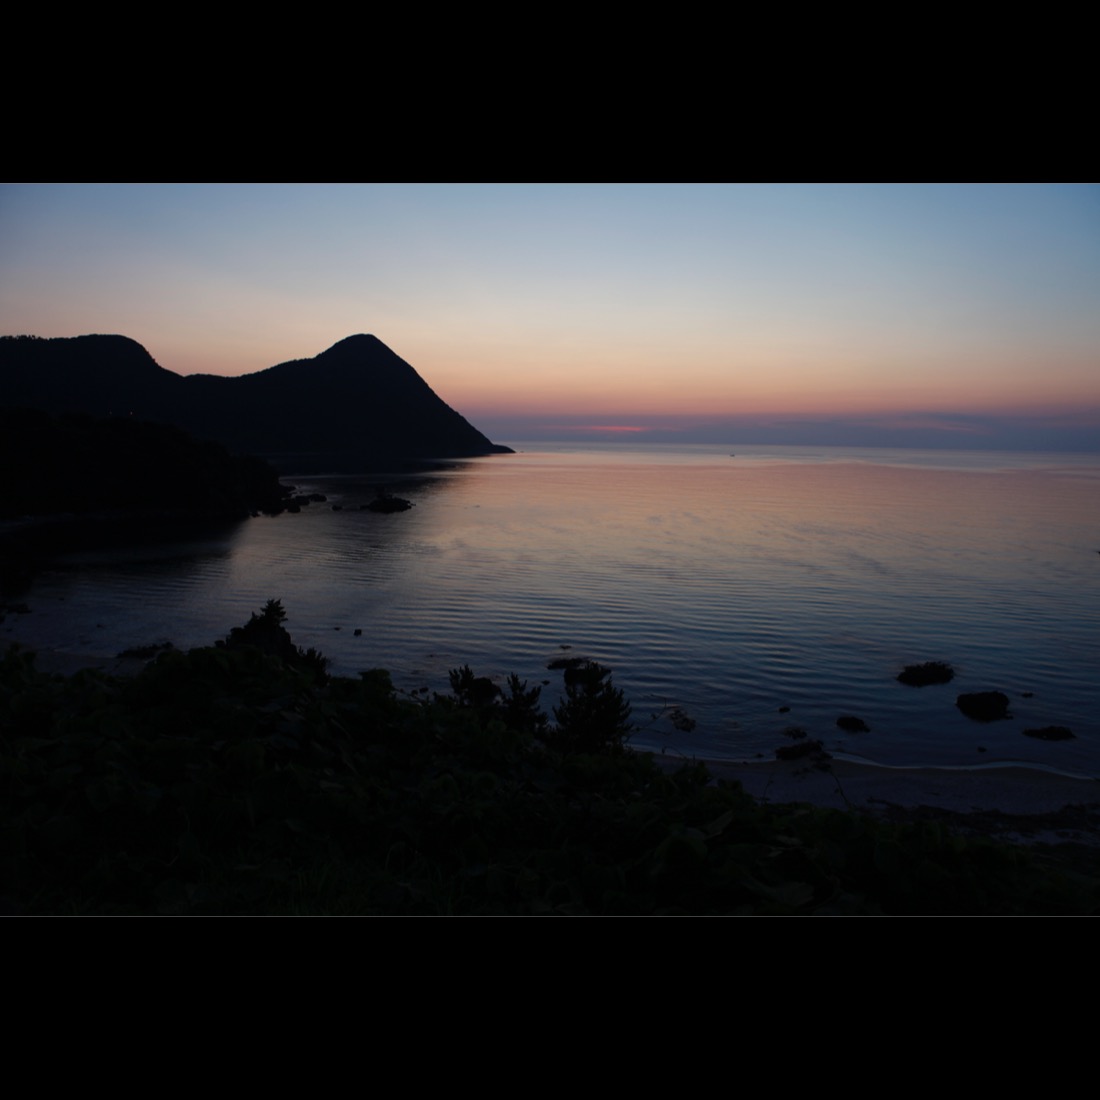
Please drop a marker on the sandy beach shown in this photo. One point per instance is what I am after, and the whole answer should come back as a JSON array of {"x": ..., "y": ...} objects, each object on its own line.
[{"x": 1016, "y": 804}]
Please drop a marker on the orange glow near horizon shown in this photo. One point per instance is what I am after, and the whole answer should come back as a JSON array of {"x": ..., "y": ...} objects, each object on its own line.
[
  {"x": 611, "y": 388},
  {"x": 623, "y": 393},
  {"x": 763, "y": 396},
  {"x": 608, "y": 305},
  {"x": 608, "y": 428}
]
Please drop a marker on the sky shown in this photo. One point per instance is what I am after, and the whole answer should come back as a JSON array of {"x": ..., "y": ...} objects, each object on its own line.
[{"x": 921, "y": 315}]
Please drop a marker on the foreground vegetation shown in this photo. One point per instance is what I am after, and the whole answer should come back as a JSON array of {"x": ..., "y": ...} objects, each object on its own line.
[{"x": 241, "y": 778}]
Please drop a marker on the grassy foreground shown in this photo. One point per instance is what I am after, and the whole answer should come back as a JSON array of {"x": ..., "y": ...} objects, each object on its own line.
[{"x": 241, "y": 778}]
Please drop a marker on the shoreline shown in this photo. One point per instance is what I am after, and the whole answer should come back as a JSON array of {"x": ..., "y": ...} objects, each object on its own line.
[{"x": 1012, "y": 802}]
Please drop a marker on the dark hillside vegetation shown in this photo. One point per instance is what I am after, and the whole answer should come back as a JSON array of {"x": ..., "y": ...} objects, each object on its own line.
[
  {"x": 99, "y": 375},
  {"x": 80, "y": 464},
  {"x": 74, "y": 481},
  {"x": 241, "y": 778}
]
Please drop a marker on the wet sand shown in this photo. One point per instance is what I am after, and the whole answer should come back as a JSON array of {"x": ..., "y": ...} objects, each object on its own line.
[{"x": 1010, "y": 803}]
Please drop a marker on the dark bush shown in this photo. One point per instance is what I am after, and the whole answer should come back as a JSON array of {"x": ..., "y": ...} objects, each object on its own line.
[{"x": 266, "y": 633}]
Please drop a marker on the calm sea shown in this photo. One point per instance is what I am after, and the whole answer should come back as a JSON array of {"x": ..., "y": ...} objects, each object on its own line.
[{"x": 728, "y": 586}]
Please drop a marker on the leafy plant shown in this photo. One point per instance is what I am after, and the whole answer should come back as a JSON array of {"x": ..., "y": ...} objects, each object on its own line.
[
  {"x": 594, "y": 717},
  {"x": 470, "y": 690},
  {"x": 520, "y": 707}
]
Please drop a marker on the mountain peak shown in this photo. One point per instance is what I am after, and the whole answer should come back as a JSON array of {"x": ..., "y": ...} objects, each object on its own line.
[
  {"x": 356, "y": 404},
  {"x": 359, "y": 341},
  {"x": 358, "y": 350}
]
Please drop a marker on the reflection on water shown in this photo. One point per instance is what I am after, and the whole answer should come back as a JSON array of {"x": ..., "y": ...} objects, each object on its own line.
[{"x": 728, "y": 586}]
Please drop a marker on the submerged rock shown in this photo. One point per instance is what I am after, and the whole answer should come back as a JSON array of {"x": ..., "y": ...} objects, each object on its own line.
[
  {"x": 557, "y": 663},
  {"x": 984, "y": 706},
  {"x": 389, "y": 504},
  {"x": 1051, "y": 733},
  {"x": 851, "y": 724},
  {"x": 681, "y": 720},
  {"x": 814, "y": 750},
  {"x": 931, "y": 672}
]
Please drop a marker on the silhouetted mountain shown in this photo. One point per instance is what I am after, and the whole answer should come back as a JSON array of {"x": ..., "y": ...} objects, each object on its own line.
[
  {"x": 101, "y": 375},
  {"x": 355, "y": 405}
]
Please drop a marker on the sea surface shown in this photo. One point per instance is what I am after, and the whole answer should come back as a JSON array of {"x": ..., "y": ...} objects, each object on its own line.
[{"x": 721, "y": 588}]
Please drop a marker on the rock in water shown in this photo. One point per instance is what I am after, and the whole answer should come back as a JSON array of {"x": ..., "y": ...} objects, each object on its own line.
[
  {"x": 984, "y": 706},
  {"x": 389, "y": 504},
  {"x": 931, "y": 672},
  {"x": 1051, "y": 733},
  {"x": 851, "y": 724}
]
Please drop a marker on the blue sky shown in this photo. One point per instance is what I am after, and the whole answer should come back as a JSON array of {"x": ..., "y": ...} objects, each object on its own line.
[{"x": 685, "y": 311}]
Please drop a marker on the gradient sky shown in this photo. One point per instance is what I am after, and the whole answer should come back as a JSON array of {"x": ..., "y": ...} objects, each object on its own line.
[{"x": 921, "y": 313}]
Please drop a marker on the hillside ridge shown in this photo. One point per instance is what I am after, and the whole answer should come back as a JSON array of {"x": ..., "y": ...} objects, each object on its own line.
[{"x": 354, "y": 405}]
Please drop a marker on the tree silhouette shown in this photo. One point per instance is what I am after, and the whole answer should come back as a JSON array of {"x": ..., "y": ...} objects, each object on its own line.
[{"x": 594, "y": 717}]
